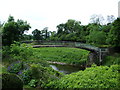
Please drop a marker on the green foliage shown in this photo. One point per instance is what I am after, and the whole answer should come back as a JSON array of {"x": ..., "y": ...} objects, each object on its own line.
[
  {"x": 36, "y": 75},
  {"x": 112, "y": 59},
  {"x": 33, "y": 83},
  {"x": 32, "y": 70},
  {"x": 97, "y": 37},
  {"x": 15, "y": 68},
  {"x": 17, "y": 52},
  {"x": 27, "y": 37},
  {"x": 1, "y": 27},
  {"x": 37, "y": 35},
  {"x": 26, "y": 76},
  {"x": 10, "y": 33},
  {"x": 94, "y": 77},
  {"x": 41, "y": 34},
  {"x": 94, "y": 33},
  {"x": 13, "y": 31},
  {"x": 3, "y": 69},
  {"x": 45, "y": 33},
  {"x": 114, "y": 34},
  {"x": 11, "y": 81},
  {"x": 23, "y": 51},
  {"x": 63, "y": 54},
  {"x": 43, "y": 75},
  {"x": 71, "y": 30}
]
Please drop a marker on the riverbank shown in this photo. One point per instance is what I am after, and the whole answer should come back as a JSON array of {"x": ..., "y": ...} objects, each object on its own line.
[{"x": 60, "y": 63}]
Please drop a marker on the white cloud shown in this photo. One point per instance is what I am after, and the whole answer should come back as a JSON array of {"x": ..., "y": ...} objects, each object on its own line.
[{"x": 50, "y": 13}]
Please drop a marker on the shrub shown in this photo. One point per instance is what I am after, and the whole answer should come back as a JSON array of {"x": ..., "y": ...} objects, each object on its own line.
[
  {"x": 17, "y": 52},
  {"x": 43, "y": 75},
  {"x": 15, "y": 67},
  {"x": 33, "y": 83},
  {"x": 112, "y": 60},
  {"x": 26, "y": 76},
  {"x": 11, "y": 81},
  {"x": 94, "y": 77},
  {"x": 21, "y": 52}
]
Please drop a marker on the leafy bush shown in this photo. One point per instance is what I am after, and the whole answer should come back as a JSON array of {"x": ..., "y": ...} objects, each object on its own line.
[
  {"x": 94, "y": 77},
  {"x": 21, "y": 52},
  {"x": 5, "y": 53},
  {"x": 11, "y": 81},
  {"x": 15, "y": 67},
  {"x": 97, "y": 37},
  {"x": 26, "y": 76},
  {"x": 34, "y": 74},
  {"x": 43, "y": 75},
  {"x": 17, "y": 52},
  {"x": 112, "y": 60},
  {"x": 33, "y": 83}
]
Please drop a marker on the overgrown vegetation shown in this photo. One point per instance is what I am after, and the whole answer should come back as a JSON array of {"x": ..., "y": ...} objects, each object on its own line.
[
  {"x": 112, "y": 59},
  {"x": 28, "y": 66},
  {"x": 63, "y": 54},
  {"x": 72, "y": 30},
  {"x": 94, "y": 77}
]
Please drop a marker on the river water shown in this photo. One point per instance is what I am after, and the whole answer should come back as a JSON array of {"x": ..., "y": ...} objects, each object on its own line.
[{"x": 66, "y": 69}]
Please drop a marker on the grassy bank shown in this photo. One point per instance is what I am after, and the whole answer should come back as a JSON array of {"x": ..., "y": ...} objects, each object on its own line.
[
  {"x": 63, "y": 54},
  {"x": 30, "y": 64}
]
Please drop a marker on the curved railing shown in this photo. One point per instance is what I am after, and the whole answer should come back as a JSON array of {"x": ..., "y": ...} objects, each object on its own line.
[{"x": 68, "y": 44}]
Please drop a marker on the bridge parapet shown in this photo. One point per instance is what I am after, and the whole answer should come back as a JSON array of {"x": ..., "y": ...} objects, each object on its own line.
[
  {"x": 82, "y": 45},
  {"x": 100, "y": 52}
]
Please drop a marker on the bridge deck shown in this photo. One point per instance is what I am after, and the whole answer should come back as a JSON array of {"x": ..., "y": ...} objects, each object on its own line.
[
  {"x": 68, "y": 44},
  {"x": 37, "y": 46}
]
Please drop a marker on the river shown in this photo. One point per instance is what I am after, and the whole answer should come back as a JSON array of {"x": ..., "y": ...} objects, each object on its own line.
[{"x": 66, "y": 69}]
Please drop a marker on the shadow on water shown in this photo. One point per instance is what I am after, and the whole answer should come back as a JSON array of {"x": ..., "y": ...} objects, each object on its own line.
[{"x": 66, "y": 69}]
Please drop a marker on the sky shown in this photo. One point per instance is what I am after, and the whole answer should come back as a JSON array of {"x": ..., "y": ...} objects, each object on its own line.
[{"x": 50, "y": 13}]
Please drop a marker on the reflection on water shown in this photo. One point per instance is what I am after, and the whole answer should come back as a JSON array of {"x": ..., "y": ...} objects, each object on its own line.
[
  {"x": 66, "y": 69},
  {"x": 54, "y": 67}
]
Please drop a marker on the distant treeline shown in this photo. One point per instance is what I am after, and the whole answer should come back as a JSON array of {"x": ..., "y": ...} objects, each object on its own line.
[{"x": 95, "y": 32}]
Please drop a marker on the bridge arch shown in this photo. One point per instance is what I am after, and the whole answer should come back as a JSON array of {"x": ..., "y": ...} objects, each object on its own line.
[{"x": 97, "y": 52}]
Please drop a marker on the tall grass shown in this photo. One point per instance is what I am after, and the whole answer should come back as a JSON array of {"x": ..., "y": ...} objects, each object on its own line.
[{"x": 62, "y": 54}]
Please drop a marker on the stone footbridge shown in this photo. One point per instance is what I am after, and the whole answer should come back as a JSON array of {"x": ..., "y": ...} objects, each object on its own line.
[{"x": 101, "y": 52}]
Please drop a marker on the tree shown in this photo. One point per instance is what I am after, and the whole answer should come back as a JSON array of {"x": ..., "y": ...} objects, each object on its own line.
[
  {"x": 91, "y": 29},
  {"x": 45, "y": 33},
  {"x": 1, "y": 26},
  {"x": 72, "y": 26},
  {"x": 114, "y": 34},
  {"x": 110, "y": 18},
  {"x": 98, "y": 19},
  {"x": 13, "y": 31},
  {"x": 71, "y": 30},
  {"x": 10, "y": 33},
  {"x": 37, "y": 35},
  {"x": 106, "y": 28},
  {"x": 97, "y": 37},
  {"x": 60, "y": 29},
  {"x": 53, "y": 35},
  {"x": 22, "y": 27},
  {"x": 27, "y": 37},
  {"x": 10, "y": 19}
]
